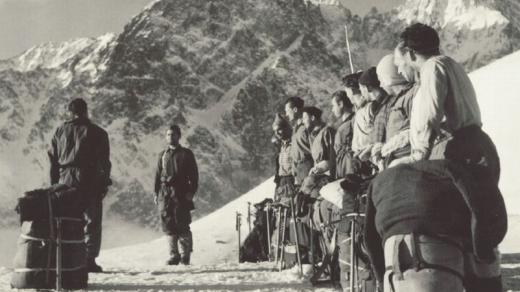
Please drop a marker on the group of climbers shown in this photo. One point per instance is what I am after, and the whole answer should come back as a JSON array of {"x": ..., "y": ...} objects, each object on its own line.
[{"x": 409, "y": 137}]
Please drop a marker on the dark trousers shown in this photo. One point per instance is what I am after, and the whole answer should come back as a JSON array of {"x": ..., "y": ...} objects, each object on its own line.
[{"x": 93, "y": 217}]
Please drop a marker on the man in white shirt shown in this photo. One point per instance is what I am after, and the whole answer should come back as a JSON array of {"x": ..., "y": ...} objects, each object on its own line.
[{"x": 446, "y": 100}]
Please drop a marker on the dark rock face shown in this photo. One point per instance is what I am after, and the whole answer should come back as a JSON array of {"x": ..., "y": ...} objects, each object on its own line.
[{"x": 218, "y": 68}]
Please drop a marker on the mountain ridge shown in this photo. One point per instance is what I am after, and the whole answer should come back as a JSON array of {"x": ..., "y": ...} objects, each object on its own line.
[{"x": 218, "y": 68}]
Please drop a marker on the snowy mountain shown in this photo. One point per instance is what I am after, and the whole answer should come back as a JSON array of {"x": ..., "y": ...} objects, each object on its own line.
[
  {"x": 218, "y": 68},
  {"x": 141, "y": 267}
]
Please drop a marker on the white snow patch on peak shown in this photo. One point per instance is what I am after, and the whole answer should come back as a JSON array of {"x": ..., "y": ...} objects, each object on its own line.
[
  {"x": 324, "y": 2},
  {"x": 53, "y": 55},
  {"x": 474, "y": 17},
  {"x": 463, "y": 13}
]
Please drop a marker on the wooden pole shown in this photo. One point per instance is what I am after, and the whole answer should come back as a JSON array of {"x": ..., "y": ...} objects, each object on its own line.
[{"x": 348, "y": 50}]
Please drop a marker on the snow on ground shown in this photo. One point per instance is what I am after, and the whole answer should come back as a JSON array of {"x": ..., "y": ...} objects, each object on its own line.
[
  {"x": 214, "y": 266},
  {"x": 214, "y": 236}
]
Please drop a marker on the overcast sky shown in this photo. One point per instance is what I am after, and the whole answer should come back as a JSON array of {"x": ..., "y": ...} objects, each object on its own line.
[{"x": 26, "y": 23}]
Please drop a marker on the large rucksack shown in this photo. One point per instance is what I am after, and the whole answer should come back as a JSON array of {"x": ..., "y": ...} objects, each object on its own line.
[
  {"x": 256, "y": 245},
  {"x": 35, "y": 259}
]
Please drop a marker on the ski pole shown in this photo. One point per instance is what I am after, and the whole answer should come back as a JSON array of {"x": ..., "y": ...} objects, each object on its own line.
[
  {"x": 238, "y": 223},
  {"x": 312, "y": 243},
  {"x": 352, "y": 253},
  {"x": 278, "y": 230},
  {"x": 268, "y": 233},
  {"x": 282, "y": 251},
  {"x": 293, "y": 219}
]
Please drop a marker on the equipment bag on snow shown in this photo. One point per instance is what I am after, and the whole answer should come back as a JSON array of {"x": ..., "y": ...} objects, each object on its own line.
[
  {"x": 256, "y": 245},
  {"x": 35, "y": 262}
]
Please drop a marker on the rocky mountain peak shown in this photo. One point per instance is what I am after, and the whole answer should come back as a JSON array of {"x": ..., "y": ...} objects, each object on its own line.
[
  {"x": 472, "y": 14},
  {"x": 219, "y": 68}
]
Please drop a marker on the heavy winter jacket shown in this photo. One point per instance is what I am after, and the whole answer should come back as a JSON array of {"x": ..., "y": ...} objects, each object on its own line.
[
  {"x": 322, "y": 147},
  {"x": 379, "y": 114},
  {"x": 300, "y": 153},
  {"x": 177, "y": 171},
  {"x": 401, "y": 108},
  {"x": 80, "y": 157},
  {"x": 343, "y": 147},
  {"x": 436, "y": 197}
]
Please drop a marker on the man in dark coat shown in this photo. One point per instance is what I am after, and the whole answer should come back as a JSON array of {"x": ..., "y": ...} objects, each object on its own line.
[
  {"x": 343, "y": 109},
  {"x": 300, "y": 143},
  {"x": 80, "y": 157},
  {"x": 176, "y": 181}
]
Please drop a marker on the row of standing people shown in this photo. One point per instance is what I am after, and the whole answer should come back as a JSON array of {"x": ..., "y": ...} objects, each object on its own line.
[{"x": 415, "y": 105}]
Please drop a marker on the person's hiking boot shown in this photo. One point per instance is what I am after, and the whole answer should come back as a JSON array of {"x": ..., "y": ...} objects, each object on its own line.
[
  {"x": 92, "y": 267},
  {"x": 173, "y": 260},
  {"x": 185, "y": 259}
]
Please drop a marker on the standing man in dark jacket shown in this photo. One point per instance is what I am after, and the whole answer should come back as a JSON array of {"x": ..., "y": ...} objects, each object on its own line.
[
  {"x": 176, "y": 181},
  {"x": 300, "y": 143},
  {"x": 80, "y": 157},
  {"x": 343, "y": 109}
]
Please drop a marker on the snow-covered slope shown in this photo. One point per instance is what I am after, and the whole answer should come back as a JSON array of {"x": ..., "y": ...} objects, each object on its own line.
[
  {"x": 214, "y": 236},
  {"x": 497, "y": 90}
]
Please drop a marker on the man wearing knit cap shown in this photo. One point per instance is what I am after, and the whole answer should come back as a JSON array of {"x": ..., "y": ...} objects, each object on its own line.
[
  {"x": 363, "y": 123},
  {"x": 351, "y": 85},
  {"x": 378, "y": 108},
  {"x": 393, "y": 120}
]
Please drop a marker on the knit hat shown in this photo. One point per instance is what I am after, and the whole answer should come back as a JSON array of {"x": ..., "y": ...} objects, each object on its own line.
[
  {"x": 369, "y": 78},
  {"x": 351, "y": 80},
  {"x": 312, "y": 111},
  {"x": 387, "y": 72}
]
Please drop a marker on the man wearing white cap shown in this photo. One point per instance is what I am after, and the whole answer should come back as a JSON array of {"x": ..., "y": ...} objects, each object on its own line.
[{"x": 394, "y": 123}]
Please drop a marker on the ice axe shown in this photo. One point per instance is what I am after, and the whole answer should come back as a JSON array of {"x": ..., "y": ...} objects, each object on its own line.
[{"x": 293, "y": 219}]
